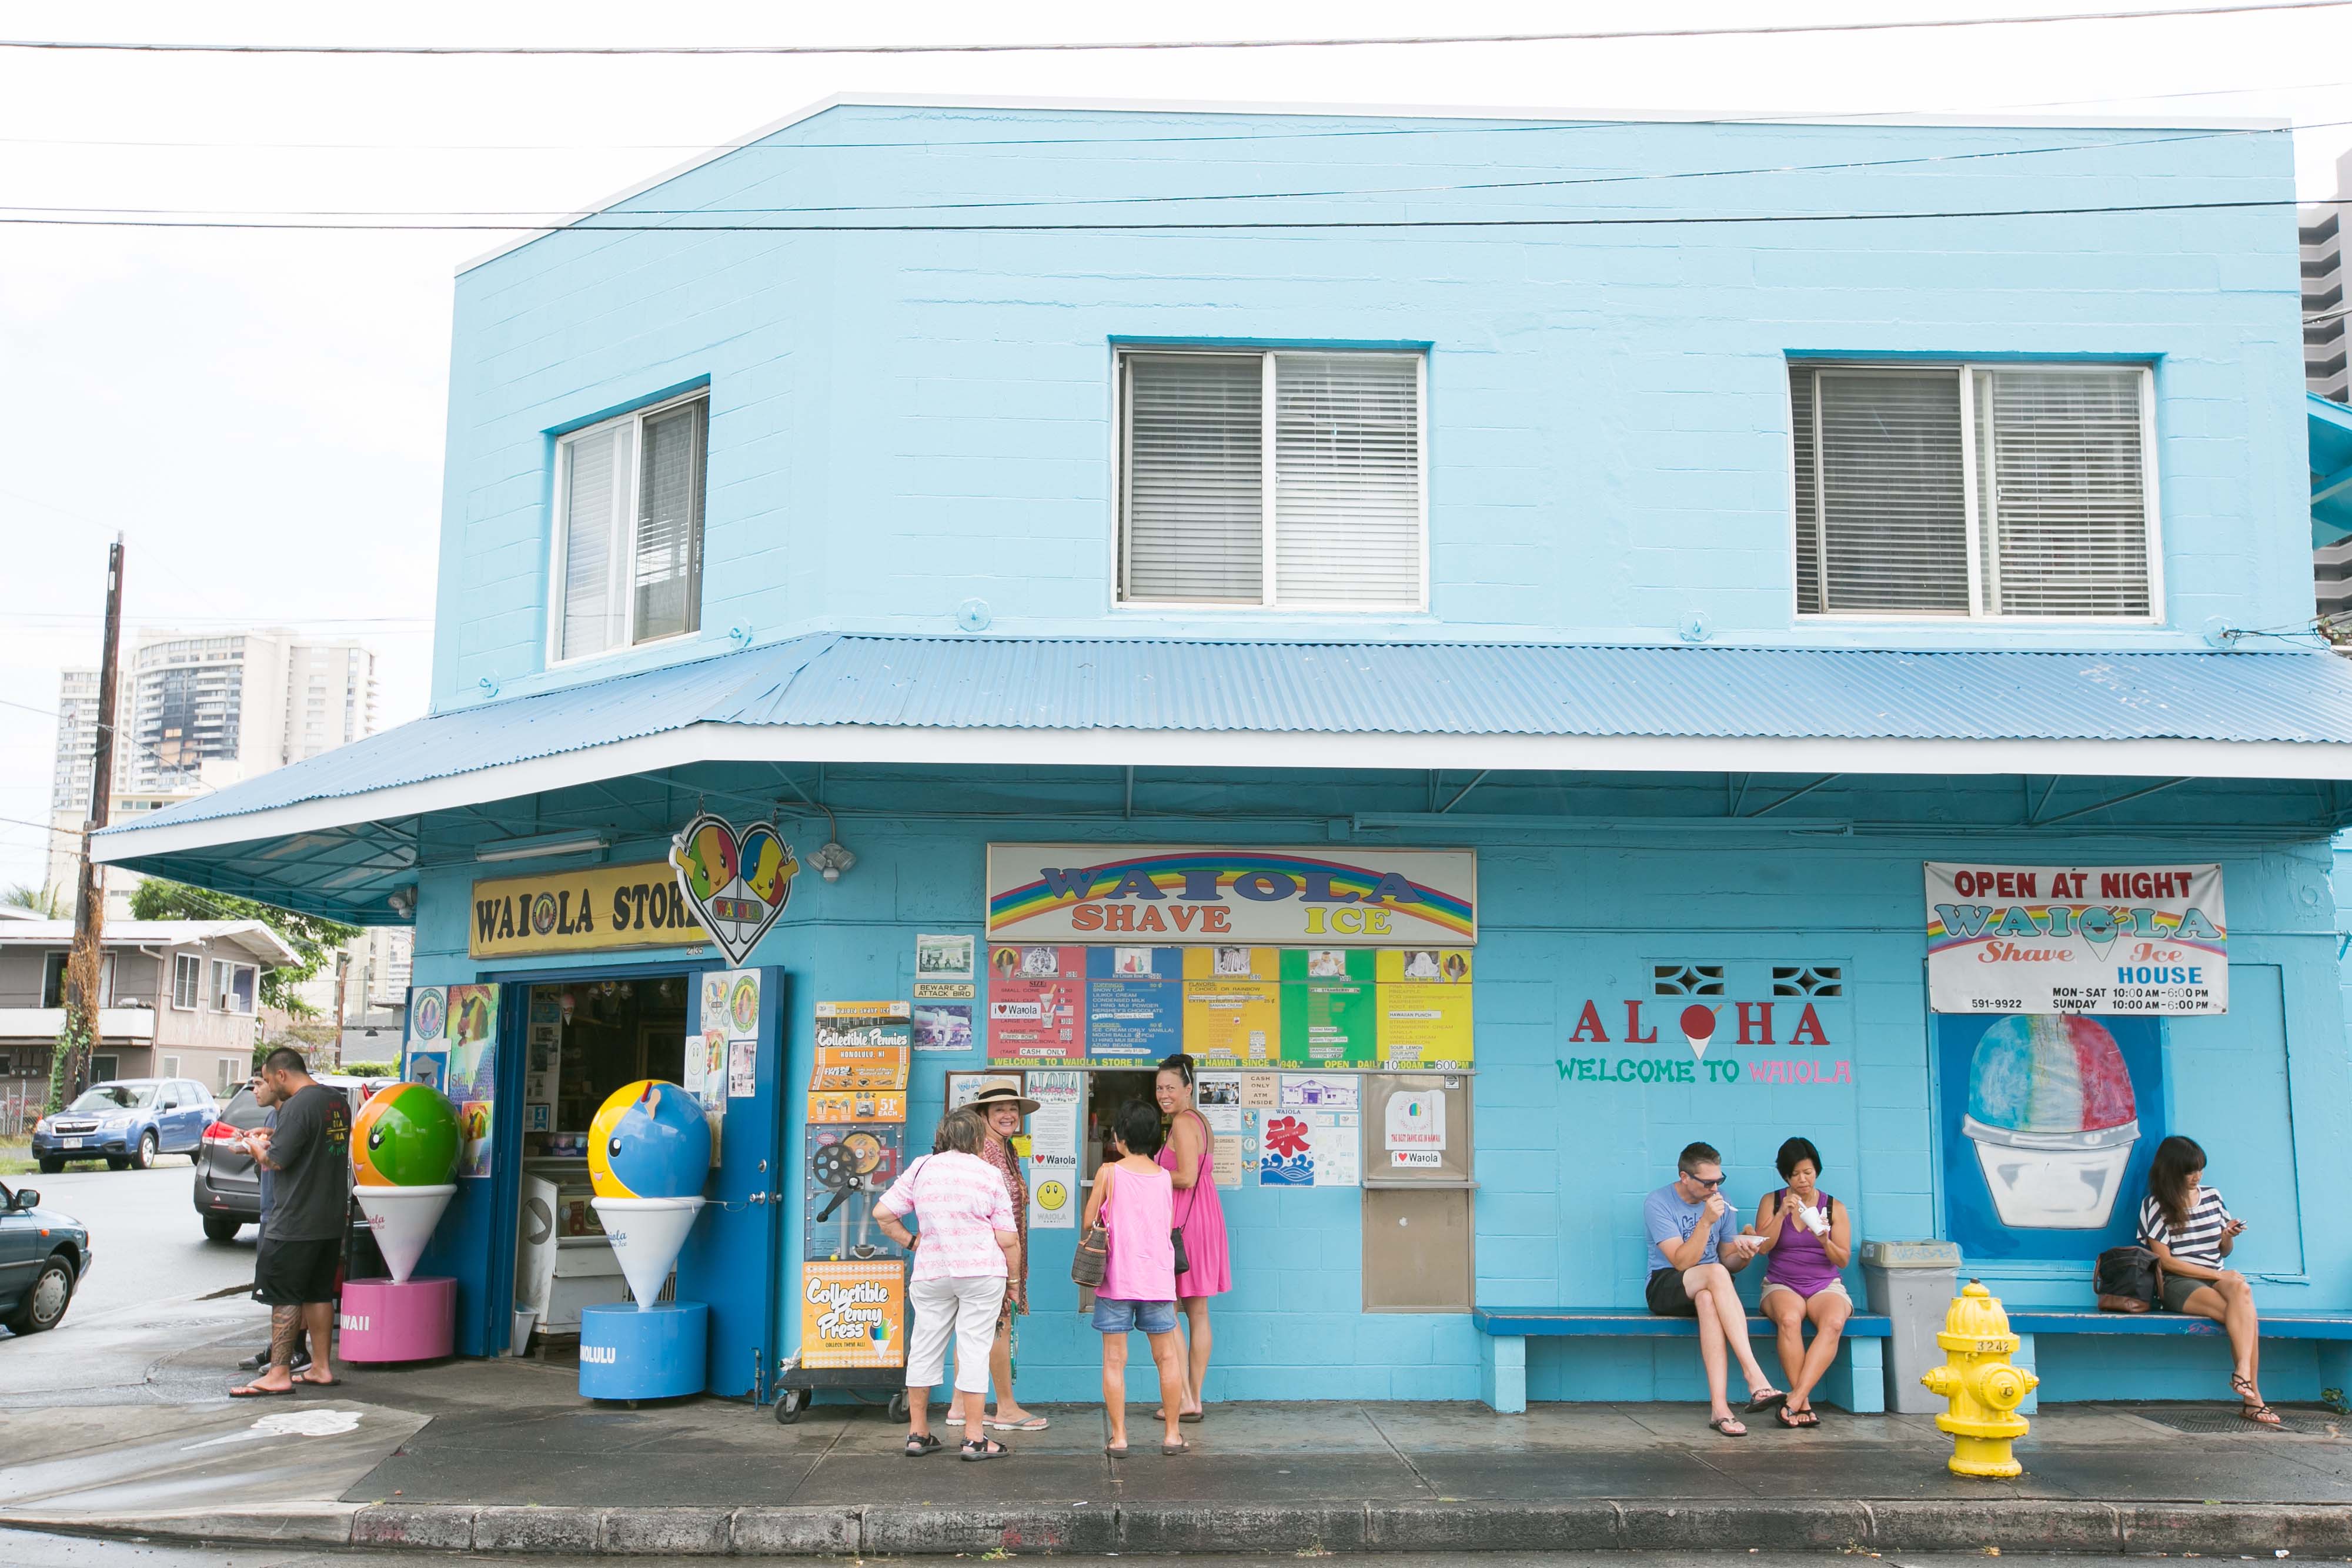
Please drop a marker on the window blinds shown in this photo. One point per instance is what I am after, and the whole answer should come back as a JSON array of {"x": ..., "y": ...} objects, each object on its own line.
[
  {"x": 1885, "y": 503},
  {"x": 1347, "y": 479},
  {"x": 669, "y": 523},
  {"x": 592, "y": 611},
  {"x": 1195, "y": 478},
  {"x": 1345, "y": 523},
  {"x": 1894, "y": 500},
  {"x": 2061, "y": 493}
]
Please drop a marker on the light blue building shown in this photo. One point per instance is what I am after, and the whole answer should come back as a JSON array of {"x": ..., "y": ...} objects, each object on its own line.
[{"x": 1684, "y": 533}]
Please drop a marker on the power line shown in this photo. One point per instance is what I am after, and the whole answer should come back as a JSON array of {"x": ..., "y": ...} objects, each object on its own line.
[
  {"x": 592, "y": 223},
  {"x": 564, "y": 216},
  {"x": 1780, "y": 118},
  {"x": 1595, "y": 37}
]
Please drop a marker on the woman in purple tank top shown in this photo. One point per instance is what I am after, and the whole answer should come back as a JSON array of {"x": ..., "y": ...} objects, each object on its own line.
[{"x": 1809, "y": 1238}]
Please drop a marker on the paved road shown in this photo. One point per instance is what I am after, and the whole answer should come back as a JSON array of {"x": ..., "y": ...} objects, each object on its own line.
[
  {"x": 143, "y": 1298},
  {"x": 31, "y": 1551}
]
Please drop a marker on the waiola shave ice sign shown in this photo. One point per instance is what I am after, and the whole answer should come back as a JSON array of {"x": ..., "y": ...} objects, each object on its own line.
[{"x": 1174, "y": 894}]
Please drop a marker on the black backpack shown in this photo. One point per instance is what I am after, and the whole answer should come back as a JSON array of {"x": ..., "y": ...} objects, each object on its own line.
[{"x": 2126, "y": 1279}]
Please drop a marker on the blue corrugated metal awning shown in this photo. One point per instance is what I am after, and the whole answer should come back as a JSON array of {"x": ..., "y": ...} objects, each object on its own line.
[{"x": 863, "y": 697}]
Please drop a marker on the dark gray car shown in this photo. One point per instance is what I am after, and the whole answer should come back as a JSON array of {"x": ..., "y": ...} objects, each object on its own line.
[
  {"x": 227, "y": 1191},
  {"x": 228, "y": 1187}
]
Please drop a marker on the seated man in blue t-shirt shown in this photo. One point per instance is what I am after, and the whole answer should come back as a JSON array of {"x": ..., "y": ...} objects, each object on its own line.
[{"x": 1694, "y": 1251}]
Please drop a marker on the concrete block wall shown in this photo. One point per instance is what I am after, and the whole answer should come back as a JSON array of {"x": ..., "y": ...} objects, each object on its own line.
[
  {"x": 1563, "y": 1163},
  {"x": 901, "y": 423}
]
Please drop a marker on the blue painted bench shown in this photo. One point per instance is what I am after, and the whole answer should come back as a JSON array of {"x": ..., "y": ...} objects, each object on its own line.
[
  {"x": 1856, "y": 1380},
  {"x": 2335, "y": 1358}
]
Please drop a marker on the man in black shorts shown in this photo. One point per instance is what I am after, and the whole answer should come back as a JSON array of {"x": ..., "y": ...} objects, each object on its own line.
[{"x": 309, "y": 1155}]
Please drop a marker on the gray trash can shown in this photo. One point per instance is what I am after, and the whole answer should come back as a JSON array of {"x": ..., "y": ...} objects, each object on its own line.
[{"x": 1912, "y": 1283}]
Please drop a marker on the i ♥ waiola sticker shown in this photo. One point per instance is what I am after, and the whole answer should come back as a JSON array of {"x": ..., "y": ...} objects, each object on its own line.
[{"x": 736, "y": 881}]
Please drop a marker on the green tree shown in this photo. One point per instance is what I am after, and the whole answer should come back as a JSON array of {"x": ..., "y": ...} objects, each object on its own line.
[
  {"x": 51, "y": 903},
  {"x": 314, "y": 940}
]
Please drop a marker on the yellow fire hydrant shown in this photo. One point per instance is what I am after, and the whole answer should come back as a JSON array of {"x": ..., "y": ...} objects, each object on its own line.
[{"x": 1984, "y": 1388}]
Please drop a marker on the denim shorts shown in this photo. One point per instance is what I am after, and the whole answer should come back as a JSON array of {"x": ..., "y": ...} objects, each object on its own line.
[{"x": 1125, "y": 1317}]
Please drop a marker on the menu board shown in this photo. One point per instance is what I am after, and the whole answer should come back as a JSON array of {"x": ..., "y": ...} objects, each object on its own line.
[{"x": 1231, "y": 1008}]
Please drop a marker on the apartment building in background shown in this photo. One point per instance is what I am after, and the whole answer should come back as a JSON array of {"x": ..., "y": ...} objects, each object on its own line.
[
  {"x": 2327, "y": 357},
  {"x": 198, "y": 711}
]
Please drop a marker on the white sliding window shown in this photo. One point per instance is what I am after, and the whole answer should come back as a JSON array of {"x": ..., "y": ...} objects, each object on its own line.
[
  {"x": 1991, "y": 491},
  {"x": 628, "y": 565},
  {"x": 1272, "y": 478}
]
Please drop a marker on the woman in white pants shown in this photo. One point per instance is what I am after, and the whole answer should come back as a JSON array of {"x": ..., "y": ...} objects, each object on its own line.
[{"x": 965, "y": 1244}]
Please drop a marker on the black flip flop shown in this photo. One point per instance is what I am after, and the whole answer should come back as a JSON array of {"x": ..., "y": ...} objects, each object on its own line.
[
  {"x": 1169, "y": 1450},
  {"x": 1792, "y": 1419},
  {"x": 1771, "y": 1399},
  {"x": 1118, "y": 1452}
]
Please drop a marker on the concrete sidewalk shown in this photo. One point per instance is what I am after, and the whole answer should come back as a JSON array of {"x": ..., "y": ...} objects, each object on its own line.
[{"x": 504, "y": 1456}]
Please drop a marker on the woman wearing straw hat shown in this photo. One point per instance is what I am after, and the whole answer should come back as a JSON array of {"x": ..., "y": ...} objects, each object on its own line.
[{"x": 1001, "y": 1105}]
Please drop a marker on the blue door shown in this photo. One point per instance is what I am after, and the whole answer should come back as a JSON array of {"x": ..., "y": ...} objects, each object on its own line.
[{"x": 730, "y": 1258}]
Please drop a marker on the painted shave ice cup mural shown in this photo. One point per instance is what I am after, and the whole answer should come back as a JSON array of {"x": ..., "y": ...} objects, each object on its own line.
[{"x": 2052, "y": 1119}]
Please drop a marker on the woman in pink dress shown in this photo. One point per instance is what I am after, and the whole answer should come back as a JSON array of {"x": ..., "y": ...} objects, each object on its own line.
[{"x": 1188, "y": 1157}]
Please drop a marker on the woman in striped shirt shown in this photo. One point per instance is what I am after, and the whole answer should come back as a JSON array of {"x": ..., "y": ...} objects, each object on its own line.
[{"x": 2190, "y": 1230}]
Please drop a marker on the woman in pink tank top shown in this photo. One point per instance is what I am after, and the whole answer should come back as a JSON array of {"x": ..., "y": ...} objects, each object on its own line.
[
  {"x": 1190, "y": 1157},
  {"x": 1130, "y": 1200}
]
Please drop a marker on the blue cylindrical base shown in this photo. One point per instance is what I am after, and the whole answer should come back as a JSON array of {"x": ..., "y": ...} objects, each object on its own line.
[{"x": 657, "y": 1353}]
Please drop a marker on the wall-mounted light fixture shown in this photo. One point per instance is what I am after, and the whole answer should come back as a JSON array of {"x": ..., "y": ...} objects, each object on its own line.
[
  {"x": 539, "y": 845},
  {"x": 402, "y": 901},
  {"x": 832, "y": 861}
]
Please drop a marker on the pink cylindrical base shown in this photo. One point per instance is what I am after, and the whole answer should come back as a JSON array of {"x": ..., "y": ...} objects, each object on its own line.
[{"x": 380, "y": 1320}]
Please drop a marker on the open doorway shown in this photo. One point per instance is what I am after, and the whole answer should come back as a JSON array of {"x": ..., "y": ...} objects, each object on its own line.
[{"x": 1107, "y": 1091}]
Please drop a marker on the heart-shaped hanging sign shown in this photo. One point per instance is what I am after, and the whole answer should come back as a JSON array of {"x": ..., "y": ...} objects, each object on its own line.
[{"x": 736, "y": 881}]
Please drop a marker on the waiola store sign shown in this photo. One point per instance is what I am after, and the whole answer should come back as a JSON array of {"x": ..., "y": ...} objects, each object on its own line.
[{"x": 1177, "y": 893}]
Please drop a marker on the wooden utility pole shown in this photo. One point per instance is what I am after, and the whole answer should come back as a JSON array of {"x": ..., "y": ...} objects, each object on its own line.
[{"x": 82, "y": 965}]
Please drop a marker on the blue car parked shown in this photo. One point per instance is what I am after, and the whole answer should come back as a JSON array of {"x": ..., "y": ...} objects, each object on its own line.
[{"x": 127, "y": 1122}]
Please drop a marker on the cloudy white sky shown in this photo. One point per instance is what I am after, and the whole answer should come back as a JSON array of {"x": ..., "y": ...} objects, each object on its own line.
[{"x": 261, "y": 413}]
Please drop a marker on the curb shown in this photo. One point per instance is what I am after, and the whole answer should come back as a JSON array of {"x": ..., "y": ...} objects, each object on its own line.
[{"x": 1167, "y": 1528}]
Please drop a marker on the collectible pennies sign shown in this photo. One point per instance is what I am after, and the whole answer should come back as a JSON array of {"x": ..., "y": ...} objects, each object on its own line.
[
  {"x": 1052, "y": 893},
  {"x": 2149, "y": 940}
]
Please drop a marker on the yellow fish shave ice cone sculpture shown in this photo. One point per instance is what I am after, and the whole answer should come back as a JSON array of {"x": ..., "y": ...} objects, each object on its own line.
[
  {"x": 648, "y": 1152},
  {"x": 403, "y": 1152},
  {"x": 648, "y": 1155}
]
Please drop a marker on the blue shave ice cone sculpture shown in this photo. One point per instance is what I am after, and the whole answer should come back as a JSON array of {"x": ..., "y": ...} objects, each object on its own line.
[{"x": 648, "y": 1155}]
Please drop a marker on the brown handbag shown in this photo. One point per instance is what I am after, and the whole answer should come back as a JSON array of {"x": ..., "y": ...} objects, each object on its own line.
[{"x": 1092, "y": 1253}]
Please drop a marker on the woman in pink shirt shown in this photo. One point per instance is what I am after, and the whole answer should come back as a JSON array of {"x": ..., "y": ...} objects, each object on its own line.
[
  {"x": 967, "y": 1249},
  {"x": 1132, "y": 1201}
]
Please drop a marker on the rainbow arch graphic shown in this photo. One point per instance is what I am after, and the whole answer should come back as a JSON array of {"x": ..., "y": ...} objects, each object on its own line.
[
  {"x": 1444, "y": 913},
  {"x": 1940, "y": 939}
]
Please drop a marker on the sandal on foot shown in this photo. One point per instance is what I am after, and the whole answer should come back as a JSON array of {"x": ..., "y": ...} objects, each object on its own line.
[
  {"x": 1770, "y": 1399},
  {"x": 1792, "y": 1419},
  {"x": 1179, "y": 1446},
  {"x": 983, "y": 1448},
  {"x": 1809, "y": 1417},
  {"x": 1026, "y": 1424},
  {"x": 1116, "y": 1450},
  {"x": 2259, "y": 1415},
  {"x": 254, "y": 1391},
  {"x": 918, "y": 1446},
  {"x": 955, "y": 1418},
  {"x": 1192, "y": 1418},
  {"x": 1729, "y": 1425}
]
